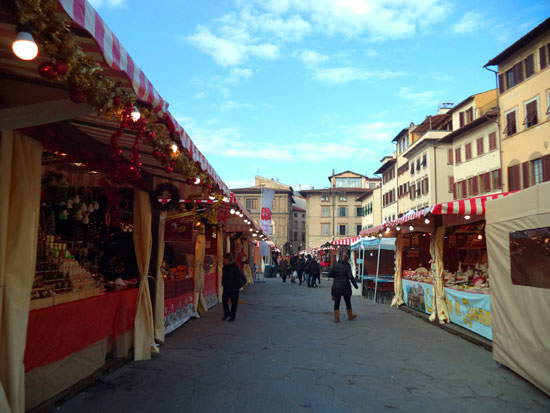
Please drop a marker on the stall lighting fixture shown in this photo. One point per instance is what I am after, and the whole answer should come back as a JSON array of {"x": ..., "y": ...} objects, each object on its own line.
[
  {"x": 398, "y": 228},
  {"x": 78, "y": 164},
  {"x": 225, "y": 199},
  {"x": 174, "y": 147},
  {"x": 387, "y": 230},
  {"x": 197, "y": 181},
  {"x": 24, "y": 46},
  {"x": 58, "y": 153},
  {"x": 93, "y": 172},
  {"x": 135, "y": 115},
  {"x": 232, "y": 211},
  {"x": 411, "y": 228},
  {"x": 254, "y": 235},
  {"x": 251, "y": 230},
  {"x": 467, "y": 217},
  {"x": 427, "y": 221},
  {"x": 480, "y": 237},
  {"x": 211, "y": 197}
]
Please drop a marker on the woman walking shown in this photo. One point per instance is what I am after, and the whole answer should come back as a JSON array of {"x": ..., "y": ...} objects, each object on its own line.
[{"x": 341, "y": 287}]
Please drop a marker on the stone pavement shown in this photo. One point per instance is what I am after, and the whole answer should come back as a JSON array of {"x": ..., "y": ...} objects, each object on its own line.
[{"x": 284, "y": 354}]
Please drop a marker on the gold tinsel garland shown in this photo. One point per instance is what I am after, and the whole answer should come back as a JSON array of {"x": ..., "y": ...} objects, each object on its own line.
[{"x": 51, "y": 31}]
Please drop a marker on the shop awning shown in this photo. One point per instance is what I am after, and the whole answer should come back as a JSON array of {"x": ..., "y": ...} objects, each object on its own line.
[
  {"x": 345, "y": 241},
  {"x": 468, "y": 206},
  {"x": 374, "y": 243}
]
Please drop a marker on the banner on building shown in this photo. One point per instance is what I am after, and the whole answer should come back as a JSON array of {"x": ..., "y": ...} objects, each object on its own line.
[{"x": 267, "y": 205}]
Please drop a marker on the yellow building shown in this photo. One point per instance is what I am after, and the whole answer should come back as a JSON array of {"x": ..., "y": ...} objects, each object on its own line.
[
  {"x": 372, "y": 208},
  {"x": 524, "y": 108},
  {"x": 335, "y": 212},
  {"x": 473, "y": 148}
]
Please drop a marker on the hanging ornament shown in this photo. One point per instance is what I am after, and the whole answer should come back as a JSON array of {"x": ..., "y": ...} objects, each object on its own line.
[
  {"x": 169, "y": 168},
  {"x": 77, "y": 96},
  {"x": 47, "y": 70},
  {"x": 117, "y": 101},
  {"x": 61, "y": 68}
]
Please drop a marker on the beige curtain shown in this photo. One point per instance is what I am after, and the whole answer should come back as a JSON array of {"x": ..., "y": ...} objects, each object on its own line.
[
  {"x": 397, "y": 283},
  {"x": 159, "y": 296},
  {"x": 219, "y": 241},
  {"x": 143, "y": 324},
  {"x": 200, "y": 248},
  {"x": 20, "y": 176},
  {"x": 440, "y": 311},
  {"x": 246, "y": 265}
]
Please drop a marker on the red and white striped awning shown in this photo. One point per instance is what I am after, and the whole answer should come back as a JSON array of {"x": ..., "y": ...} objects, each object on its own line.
[
  {"x": 345, "y": 241},
  {"x": 117, "y": 58},
  {"x": 469, "y": 206}
]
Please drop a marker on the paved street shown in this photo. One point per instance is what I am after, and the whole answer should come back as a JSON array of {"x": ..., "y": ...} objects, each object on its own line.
[{"x": 284, "y": 353}]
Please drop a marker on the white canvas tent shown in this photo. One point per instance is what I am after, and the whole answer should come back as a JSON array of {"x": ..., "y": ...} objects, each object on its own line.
[{"x": 518, "y": 244}]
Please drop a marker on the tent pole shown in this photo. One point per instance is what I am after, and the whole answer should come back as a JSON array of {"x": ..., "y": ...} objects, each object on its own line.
[{"x": 377, "y": 269}]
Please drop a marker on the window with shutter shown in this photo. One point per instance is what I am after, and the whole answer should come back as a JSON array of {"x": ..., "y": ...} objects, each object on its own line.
[
  {"x": 531, "y": 116},
  {"x": 464, "y": 189},
  {"x": 451, "y": 184},
  {"x": 526, "y": 175},
  {"x": 546, "y": 168},
  {"x": 424, "y": 160},
  {"x": 492, "y": 141},
  {"x": 475, "y": 185},
  {"x": 529, "y": 66},
  {"x": 412, "y": 168},
  {"x": 450, "y": 156},
  {"x": 501, "y": 86},
  {"x": 514, "y": 183},
  {"x": 486, "y": 182},
  {"x": 510, "y": 78},
  {"x": 496, "y": 180},
  {"x": 511, "y": 123},
  {"x": 412, "y": 191},
  {"x": 468, "y": 149},
  {"x": 542, "y": 57},
  {"x": 480, "y": 148},
  {"x": 536, "y": 171},
  {"x": 469, "y": 115},
  {"x": 461, "y": 119},
  {"x": 458, "y": 155},
  {"x": 518, "y": 68}
]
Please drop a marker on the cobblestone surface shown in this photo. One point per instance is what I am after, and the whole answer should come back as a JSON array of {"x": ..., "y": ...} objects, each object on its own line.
[{"x": 284, "y": 354}]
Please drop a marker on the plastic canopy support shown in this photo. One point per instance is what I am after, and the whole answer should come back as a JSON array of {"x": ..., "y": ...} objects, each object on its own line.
[{"x": 377, "y": 270}]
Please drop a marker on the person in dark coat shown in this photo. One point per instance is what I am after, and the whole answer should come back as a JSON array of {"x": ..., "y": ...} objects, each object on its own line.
[
  {"x": 293, "y": 267},
  {"x": 300, "y": 266},
  {"x": 233, "y": 280},
  {"x": 283, "y": 269},
  {"x": 341, "y": 287},
  {"x": 314, "y": 271}
]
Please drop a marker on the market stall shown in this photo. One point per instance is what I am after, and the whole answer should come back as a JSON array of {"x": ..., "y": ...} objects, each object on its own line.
[
  {"x": 374, "y": 259},
  {"x": 441, "y": 263},
  {"x": 518, "y": 245}
]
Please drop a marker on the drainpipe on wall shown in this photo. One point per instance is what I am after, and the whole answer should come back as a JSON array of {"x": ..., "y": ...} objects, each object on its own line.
[{"x": 498, "y": 130}]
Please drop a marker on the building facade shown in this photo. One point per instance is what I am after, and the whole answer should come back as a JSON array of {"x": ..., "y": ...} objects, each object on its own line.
[
  {"x": 335, "y": 212},
  {"x": 283, "y": 202},
  {"x": 372, "y": 208},
  {"x": 298, "y": 240},
  {"x": 524, "y": 108}
]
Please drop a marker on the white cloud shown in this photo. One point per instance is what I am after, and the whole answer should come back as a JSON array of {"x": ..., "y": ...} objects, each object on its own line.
[
  {"x": 231, "y": 104},
  {"x": 311, "y": 57},
  {"x": 469, "y": 23},
  {"x": 108, "y": 3},
  {"x": 426, "y": 98},
  {"x": 340, "y": 75}
]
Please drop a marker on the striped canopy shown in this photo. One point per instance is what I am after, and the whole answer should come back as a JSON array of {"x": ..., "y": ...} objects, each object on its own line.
[
  {"x": 345, "y": 241},
  {"x": 469, "y": 206}
]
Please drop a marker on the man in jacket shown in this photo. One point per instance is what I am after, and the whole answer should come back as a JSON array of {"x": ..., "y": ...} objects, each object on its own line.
[
  {"x": 341, "y": 287},
  {"x": 314, "y": 271},
  {"x": 300, "y": 266},
  {"x": 233, "y": 280}
]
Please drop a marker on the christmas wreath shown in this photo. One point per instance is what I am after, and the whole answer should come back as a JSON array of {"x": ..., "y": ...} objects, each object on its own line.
[{"x": 165, "y": 197}]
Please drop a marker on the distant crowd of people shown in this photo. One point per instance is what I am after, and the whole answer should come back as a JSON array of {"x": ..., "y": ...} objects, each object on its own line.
[{"x": 299, "y": 268}]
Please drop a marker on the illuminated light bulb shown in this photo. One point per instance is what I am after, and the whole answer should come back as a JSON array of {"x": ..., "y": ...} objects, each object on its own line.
[
  {"x": 211, "y": 197},
  {"x": 467, "y": 217},
  {"x": 197, "y": 181},
  {"x": 225, "y": 199},
  {"x": 398, "y": 228},
  {"x": 174, "y": 147},
  {"x": 387, "y": 229},
  {"x": 427, "y": 221},
  {"x": 480, "y": 237},
  {"x": 411, "y": 228},
  {"x": 251, "y": 230},
  {"x": 232, "y": 211},
  {"x": 254, "y": 235},
  {"x": 135, "y": 115},
  {"x": 24, "y": 46},
  {"x": 93, "y": 172}
]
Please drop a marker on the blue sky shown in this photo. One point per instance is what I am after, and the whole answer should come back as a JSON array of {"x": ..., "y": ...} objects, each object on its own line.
[{"x": 291, "y": 89}]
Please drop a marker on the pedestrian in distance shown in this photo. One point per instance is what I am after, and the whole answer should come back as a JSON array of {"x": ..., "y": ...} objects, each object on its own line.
[
  {"x": 341, "y": 287},
  {"x": 314, "y": 271},
  {"x": 283, "y": 269},
  {"x": 293, "y": 268},
  {"x": 233, "y": 280},
  {"x": 300, "y": 266}
]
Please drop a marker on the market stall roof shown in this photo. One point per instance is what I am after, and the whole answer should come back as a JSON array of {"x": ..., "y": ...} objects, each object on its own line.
[
  {"x": 372, "y": 243},
  {"x": 469, "y": 206},
  {"x": 99, "y": 43},
  {"x": 345, "y": 241}
]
